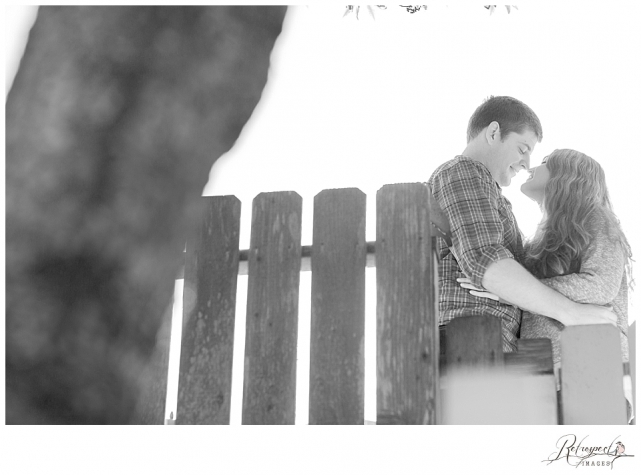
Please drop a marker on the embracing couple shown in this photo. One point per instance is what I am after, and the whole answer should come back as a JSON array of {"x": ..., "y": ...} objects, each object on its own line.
[{"x": 575, "y": 269}]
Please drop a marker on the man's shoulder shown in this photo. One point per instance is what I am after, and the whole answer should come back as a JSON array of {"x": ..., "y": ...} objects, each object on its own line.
[{"x": 461, "y": 165}]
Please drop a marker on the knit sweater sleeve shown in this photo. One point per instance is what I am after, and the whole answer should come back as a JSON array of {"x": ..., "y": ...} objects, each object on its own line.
[{"x": 599, "y": 278}]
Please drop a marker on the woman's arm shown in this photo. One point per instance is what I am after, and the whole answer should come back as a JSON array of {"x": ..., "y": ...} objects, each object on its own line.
[{"x": 599, "y": 279}]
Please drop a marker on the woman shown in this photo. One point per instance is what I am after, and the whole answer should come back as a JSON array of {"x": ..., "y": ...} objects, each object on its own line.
[{"x": 579, "y": 248}]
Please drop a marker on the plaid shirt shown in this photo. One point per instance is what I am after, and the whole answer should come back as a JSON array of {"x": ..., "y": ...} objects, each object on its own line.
[{"x": 484, "y": 231}]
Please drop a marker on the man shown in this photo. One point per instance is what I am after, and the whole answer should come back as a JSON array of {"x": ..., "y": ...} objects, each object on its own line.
[{"x": 486, "y": 243}]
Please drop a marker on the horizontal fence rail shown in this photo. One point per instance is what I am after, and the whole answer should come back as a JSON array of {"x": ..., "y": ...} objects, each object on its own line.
[
  {"x": 424, "y": 375},
  {"x": 305, "y": 261}
]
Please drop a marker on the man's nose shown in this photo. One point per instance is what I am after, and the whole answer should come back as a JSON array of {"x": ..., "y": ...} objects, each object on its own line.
[{"x": 525, "y": 162}]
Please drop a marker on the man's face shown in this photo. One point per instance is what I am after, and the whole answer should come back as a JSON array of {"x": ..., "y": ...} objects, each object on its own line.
[{"x": 511, "y": 155}]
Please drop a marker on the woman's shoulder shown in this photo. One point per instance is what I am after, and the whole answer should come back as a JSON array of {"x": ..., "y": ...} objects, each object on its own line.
[
  {"x": 607, "y": 241},
  {"x": 604, "y": 226}
]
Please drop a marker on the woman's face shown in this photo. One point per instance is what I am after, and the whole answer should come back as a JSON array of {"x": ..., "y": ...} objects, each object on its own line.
[{"x": 534, "y": 187}]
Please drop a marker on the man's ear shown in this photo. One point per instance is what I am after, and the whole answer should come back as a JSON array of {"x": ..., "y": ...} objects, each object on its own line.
[{"x": 493, "y": 132}]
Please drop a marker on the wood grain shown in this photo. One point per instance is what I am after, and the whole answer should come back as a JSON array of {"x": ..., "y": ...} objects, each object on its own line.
[
  {"x": 474, "y": 341},
  {"x": 336, "y": 392},
  {"x": 269, "y": 387},
  {"x": 209, "y": 304},
  {"x": 407, "y": 317}
]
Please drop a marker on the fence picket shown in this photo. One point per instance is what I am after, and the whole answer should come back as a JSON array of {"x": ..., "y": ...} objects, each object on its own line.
[
  {"x": 269, "y": 388},
  {"x": 474, "y": 341},
  {"x": 336, "y": 391},
  {"x": 592, "y": 381},
  {"x": 407, "y": 315},
  {"x": 209, "y": 302},
  {"x": 632, "y": 340},
  {"x": 532, "y": 356}
]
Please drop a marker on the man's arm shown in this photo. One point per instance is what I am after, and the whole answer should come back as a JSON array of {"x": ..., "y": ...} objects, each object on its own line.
[
  {"x": 469, "y": 198},
  {"x": 512, "y": 282},
  {"x": 599, "y": 279}
]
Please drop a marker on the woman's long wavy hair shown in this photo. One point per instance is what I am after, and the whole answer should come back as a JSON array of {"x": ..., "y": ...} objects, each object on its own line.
[{"x": 575, "y": 203}]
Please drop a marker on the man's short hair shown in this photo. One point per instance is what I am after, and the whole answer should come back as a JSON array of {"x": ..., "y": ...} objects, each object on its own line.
[{"x": 511, "y": 114}]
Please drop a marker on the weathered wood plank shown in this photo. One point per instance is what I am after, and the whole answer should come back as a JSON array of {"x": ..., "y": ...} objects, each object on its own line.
[
  {"x": 336, "y": 392},
  {"x": 305, "y": 263},
  {"x": 269, "y": 387},
  {"x": 209, "y": 303},
  {"x": 632, "y": 341},
  {"x": 592, "y": 375},
  {"x": 474, "y": 341},
  {"x": 532, "y": 356},
  {"x": 407, "y": 315}
]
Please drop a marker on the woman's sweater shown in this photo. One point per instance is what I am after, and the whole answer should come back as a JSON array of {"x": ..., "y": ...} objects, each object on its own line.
[{"x": 601, "y": 280}]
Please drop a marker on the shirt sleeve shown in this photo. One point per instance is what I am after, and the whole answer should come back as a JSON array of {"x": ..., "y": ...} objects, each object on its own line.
[
  {"x": 470, "y": 199},
  {"x": 599, "y": 279}
]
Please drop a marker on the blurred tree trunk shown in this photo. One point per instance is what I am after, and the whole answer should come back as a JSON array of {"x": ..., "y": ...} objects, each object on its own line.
[{"x": 113, "y": 123}]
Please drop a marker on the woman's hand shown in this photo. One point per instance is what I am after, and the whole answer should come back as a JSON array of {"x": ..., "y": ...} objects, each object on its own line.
[
  {"x": 474, "y": 290},
  {"x": 589, "y": 314},
  {"x": 478, "y": 292}
]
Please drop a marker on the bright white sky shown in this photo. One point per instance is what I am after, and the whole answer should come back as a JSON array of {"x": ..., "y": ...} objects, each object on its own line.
[{"x": 363, "y": 103}]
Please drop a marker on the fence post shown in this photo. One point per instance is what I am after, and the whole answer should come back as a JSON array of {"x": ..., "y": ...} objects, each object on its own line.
[
  {"x": 474, "y": 341},
  {"x": 592, "y": 381},
  {"x": 209, "y": 305},
  {"x": 336, "y": 389},
  {"x": 532, "y": 356},
  {"x": 407, "y": 308},
  {"x": 632, "y": 341},
  {"x": 269, "y": 388}
]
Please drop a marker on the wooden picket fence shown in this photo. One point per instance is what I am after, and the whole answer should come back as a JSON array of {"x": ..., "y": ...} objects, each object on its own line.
[{"x": 423, "y": 376}]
